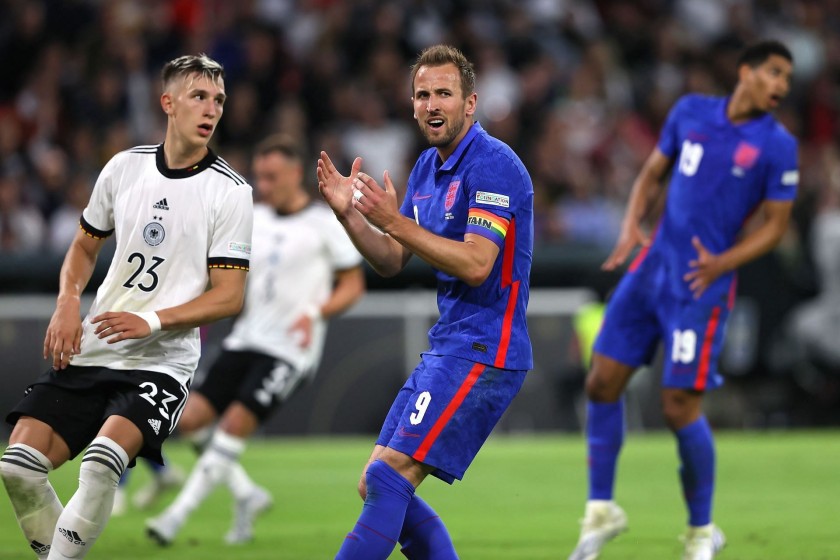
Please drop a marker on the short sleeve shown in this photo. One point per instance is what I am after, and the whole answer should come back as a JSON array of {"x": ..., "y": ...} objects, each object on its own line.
[
  {"x": 783, "y": 168},
  {"x": 343, "y": 253},
  {"x": 98, "y": 217},
  {"x": 496, "y": 189},
  {"x": 669, "y": 136},
  {"x": 230, "y": 246}
]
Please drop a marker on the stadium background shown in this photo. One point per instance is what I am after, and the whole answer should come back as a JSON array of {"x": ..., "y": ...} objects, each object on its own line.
[{"x": 579, "y": 88}]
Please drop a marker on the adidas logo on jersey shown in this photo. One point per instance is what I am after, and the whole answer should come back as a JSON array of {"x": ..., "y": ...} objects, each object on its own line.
[
  {"x": 155, "y": 424},
  {"x": 161, "y": 204},
  {"x": 72, "y": 536}
]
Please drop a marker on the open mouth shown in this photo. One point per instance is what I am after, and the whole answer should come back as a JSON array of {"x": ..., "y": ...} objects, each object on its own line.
[
  {"x": 207, "y": 128},
  {"x": 435, "y": 123}
]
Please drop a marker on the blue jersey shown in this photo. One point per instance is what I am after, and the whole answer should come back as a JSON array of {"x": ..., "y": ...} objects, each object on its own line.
[
  {"x": 722, "y": 173},
  {"x": 482, "y": 188}
]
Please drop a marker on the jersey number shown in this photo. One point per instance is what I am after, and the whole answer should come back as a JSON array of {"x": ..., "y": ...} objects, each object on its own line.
[
  {"x": 690, "y": 157},
  {"x": 422, "y": 404},
  {"x": 150, "y": 396},
  {"x": 141, "y": 269},
  {"x": 685, "y": 347}
]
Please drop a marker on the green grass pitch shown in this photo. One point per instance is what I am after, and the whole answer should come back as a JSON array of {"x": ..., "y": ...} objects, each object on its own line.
[{"x": 778, "y": 497}]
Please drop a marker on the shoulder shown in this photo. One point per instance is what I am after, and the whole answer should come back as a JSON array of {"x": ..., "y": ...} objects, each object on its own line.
[
  {"x": 494, "y": 157},
  {"x": 227, "y": 172},
  {"x": 134, "y": 155},
  {"x": 781, "y": 136},
  {"x": 697, "y": 102}
]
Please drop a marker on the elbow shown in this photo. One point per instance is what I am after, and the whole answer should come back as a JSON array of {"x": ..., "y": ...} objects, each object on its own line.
[
  {"x": 234, "y": 304},
  {"x": 477, "y": 275}
]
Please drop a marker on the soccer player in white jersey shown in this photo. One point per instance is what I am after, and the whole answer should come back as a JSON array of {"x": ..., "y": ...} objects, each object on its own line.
[
  {"x": 119, "y": 379},
  {"x": 305, "y": 270}
]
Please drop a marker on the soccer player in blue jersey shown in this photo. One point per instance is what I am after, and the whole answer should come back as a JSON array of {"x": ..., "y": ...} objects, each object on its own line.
[
  {"x": 468, "y": 212},
  {"x": 731, "y": 158}
]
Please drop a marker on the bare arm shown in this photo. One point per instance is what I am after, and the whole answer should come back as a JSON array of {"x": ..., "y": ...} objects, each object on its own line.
[
  {"x": 223, "y": 299},
  {"x": 64, "y": 333},
  {"x": 470, "y": 260},
  {"x": 708, "y": 266},
  {"x": 348, "y": 289},
  {"x": 648, "y": 180}
]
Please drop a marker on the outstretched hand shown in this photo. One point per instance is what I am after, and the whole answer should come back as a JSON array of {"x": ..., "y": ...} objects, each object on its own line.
[
  {"x": 705, "y": 269},
  {"x": 631, "y": 235},
  {"x": 377, "y": 204},
  {"x": 336, "y": 189}
]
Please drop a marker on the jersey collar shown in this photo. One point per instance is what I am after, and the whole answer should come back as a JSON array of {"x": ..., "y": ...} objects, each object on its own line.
[
  {"x": 455, "y": 156},
  {"x": 205, "y": 162}
]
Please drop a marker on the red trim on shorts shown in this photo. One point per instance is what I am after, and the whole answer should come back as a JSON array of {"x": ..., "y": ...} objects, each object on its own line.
[
  {"x": 450, "y": 410},
  {"x": 705, "y": 353},
  {"x": 733, "y": 288}
]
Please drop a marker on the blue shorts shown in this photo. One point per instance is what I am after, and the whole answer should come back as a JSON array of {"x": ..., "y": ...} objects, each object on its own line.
[
  {"x": 445, "y": 411},
  {"x": 643, "y": 312}
]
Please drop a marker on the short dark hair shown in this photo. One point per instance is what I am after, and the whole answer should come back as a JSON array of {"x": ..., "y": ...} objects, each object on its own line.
[
  {"x": 191, "y": 64},
  {"x": 439, "y": 55},
  {"x": 758, "y": 53},
  {"x": 282, "y": 143}
]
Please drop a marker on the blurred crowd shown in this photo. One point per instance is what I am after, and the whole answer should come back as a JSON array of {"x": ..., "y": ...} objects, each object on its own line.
[{"x": 579, "y": 89}]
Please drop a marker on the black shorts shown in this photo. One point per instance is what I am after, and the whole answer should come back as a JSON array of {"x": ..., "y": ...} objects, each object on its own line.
[
  {"x": 259, "y": 381},
  {"x": 75, "y": 402}
]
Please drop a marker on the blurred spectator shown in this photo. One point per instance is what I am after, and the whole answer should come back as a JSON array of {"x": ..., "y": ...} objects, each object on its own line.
[
  {"x": 21, "y": 225},
  {"x": 64, "y": 223}
]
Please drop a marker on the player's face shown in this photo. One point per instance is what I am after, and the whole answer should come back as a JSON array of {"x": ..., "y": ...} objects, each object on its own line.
[
  {"x": 194, "y": 105},
  {"x": 277, "y": 179},
  {"x": 769, "y": 83},
  {"x": 440, "y": 107}
]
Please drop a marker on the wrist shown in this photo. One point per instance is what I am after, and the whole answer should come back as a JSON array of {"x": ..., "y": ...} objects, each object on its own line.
[{"x": 151, "y": 319}]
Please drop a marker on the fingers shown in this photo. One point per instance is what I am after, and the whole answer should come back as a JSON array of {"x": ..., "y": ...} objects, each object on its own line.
[
  {"x": 326, "y": 162},
  {"x": 357, "y": 166},
  {"x": 389, "y": 185}
]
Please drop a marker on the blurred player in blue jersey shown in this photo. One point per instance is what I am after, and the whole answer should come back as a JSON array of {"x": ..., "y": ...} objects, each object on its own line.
[
  {"x": 468, "y": 212},
  {"x": 731, "y": 158}
]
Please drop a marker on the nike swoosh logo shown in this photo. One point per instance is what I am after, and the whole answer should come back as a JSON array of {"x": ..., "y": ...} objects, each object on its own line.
[
  {"x": 418, "y": 197},
  {"x": 404, "y": 433}
]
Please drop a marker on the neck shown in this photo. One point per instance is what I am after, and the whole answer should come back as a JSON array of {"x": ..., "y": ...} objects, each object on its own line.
[
  {"x": 294, "y": 203},
  {"x": 741, "y": 109},
  {"x": 179, "y": 154}
]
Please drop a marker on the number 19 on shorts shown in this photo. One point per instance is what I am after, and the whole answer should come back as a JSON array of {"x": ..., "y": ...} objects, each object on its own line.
[{"x": 684, "y": 347}]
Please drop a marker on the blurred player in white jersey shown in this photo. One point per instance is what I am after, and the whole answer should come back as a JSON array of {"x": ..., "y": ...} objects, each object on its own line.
[
  {"x": 305, "y": 270},
  {"x": 119, "y": 379}
]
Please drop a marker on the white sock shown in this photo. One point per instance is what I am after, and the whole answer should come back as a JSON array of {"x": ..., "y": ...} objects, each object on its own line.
[
  {"x": 24, "y": 470},
  {"x": 88, "y": 511},
  {"x": 240, "y": 484},
  {"x": 201, "y": 438},
  {"x": 212, "y": 468}
]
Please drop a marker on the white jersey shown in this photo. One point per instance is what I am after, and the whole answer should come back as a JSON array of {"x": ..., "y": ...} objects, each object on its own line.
[
  {"x": 171, "y": 226},
  {"x": 293, "y": 264}
]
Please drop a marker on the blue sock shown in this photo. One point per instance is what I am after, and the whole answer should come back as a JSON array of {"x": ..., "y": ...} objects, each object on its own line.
[
  {"x": 424, "y": 536},
  {"x": 154, "y": 465},
  {"x": 379, "y": 525},
  {"x": 697, "y": 472},
  {"x": 125, "y": 476},
  {"x": 604, "y": 435}
]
